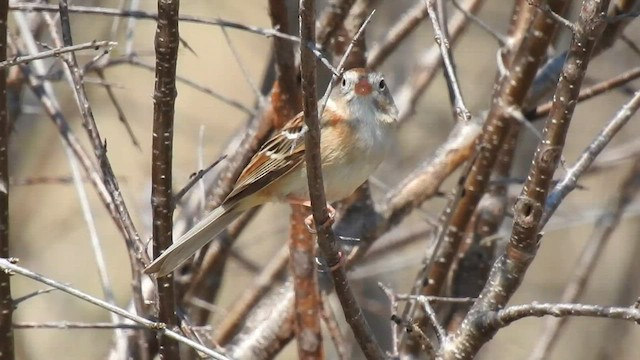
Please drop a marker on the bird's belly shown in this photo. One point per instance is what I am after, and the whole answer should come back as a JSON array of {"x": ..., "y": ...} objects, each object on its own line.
[{"x": 341, "y": 178}]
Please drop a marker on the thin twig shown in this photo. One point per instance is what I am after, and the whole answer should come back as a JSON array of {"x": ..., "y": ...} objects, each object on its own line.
[
  {"x": 57, "y": 52},
  {"x": 96, "y": 243},
  {"x": 343, "y": 60},
  {"x": 194, "y": 179},
  {"x": 505, "y": 317},
  {"x": 441, "y": 334},
  {"x": 135, "y": 61},
  {"x": 31, "y": 295},
  {"x": 594, "y": 90},
  {"x": 243, "y": 68},
  {"x": 552, "y": 14},
  {"x": 501, "y": 39},
  {"x": 108, "y": 87},
  {"x": 429, "y": 62},
  {"x": 408, "y": 22},
  {"x": 71, "y": 325},
  {"x": 393, "y": 304},
  {"x": 110, "y": 181},
  {"x": 443, "y": 42},
  {"x": 8, "y": 267},
  {"x": 570, "y": 180},
  {"x": 139, "y": 14},
  {"x": 412, "y": 327}
]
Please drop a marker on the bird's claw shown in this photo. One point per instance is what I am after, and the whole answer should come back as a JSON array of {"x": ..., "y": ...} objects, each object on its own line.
[{"x": 311, "y": 224}]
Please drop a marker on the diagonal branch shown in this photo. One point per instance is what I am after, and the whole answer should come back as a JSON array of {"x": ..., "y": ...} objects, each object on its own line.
[
  {"x": 8, "y": 267},
  {"x": 57, "y": 52},
  {"x": 509, "y": 270},
  {"x": 604, "y": 227}
]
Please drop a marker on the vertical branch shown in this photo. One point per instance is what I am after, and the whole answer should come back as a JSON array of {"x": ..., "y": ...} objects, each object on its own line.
[
  {"x": 166, "y": 45},
  {"x": 326, "y": 237},
  {"x": 285, "y": 101},
  {"x": 6, "y": 302},
  {"x": 301, "y": 247},
  {"x": 285, "y": 97},
  {"x": 305, "y": 286}
]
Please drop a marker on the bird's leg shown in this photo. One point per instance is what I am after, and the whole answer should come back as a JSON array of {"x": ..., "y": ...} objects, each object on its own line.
[
  {"x": 311, "y": 226},
  {"x": 308, "y": 221}
]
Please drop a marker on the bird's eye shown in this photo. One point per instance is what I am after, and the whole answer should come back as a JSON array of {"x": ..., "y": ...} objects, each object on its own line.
[
  {"x": 382, "y": 85},
  {"x": 344, "y": 83}
]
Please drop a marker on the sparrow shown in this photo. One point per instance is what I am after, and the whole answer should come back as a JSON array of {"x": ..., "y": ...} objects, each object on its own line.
[{"x": 356, "y": 131}]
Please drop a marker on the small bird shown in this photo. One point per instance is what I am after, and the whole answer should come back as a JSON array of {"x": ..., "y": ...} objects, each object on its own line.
[{"x": 357, "y": 128}]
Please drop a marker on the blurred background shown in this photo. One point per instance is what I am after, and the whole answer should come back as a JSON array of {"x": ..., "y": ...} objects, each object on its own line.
[{"x": 49, "y": 234}]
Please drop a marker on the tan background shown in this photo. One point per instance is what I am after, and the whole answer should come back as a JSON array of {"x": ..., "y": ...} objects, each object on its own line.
[{"x": 50, "y": 236}]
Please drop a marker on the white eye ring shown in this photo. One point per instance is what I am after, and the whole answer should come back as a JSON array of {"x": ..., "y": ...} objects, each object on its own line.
[
  {"x": 382, "y": 85},
  {"x": 344, "y": 83}
]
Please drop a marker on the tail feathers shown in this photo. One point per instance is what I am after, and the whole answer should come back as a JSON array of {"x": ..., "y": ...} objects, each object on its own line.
[{"x": 203, "y": 232}]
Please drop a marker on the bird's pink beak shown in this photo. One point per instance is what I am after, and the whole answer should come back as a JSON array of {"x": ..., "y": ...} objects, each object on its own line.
[{"x": 363, "y": 87}]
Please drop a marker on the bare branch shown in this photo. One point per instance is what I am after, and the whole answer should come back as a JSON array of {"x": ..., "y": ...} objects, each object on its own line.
[
  {"x": 75, "y": 76},
  {"x": 441, "y": 39},
  {"x": 167, "y": 41},
  {"x": 594, "y": 90},
  {"x": 504, "y": 317},
  {"x": 8, "y": 267},
  {"x": 570, "y": 180},
  {"x": 57, "y": 52},
  {"x": 326, "y": 237},
  {"x": 509, "y": 269},
  {"x": 591, "y": 253},
  {"x": 6, "y": 301}
]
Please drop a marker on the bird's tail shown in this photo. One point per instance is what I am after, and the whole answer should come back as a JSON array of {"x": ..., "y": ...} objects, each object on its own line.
[{"x": 203, "y": 232}]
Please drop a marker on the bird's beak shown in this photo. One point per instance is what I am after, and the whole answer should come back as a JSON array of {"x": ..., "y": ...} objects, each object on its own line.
[{"x": 363, "y": 87}]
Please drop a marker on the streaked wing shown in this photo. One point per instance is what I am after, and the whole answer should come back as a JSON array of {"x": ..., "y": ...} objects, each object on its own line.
[{"x": 279, "y": 155}]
